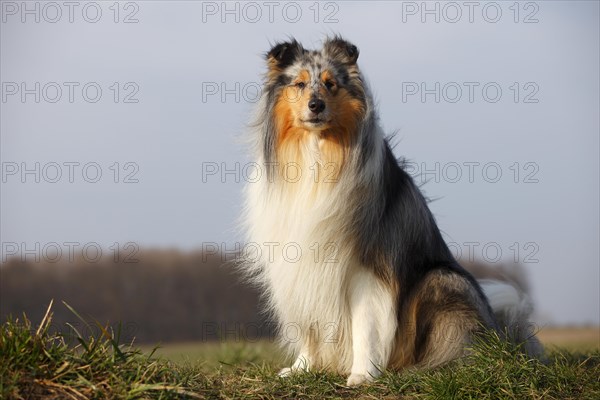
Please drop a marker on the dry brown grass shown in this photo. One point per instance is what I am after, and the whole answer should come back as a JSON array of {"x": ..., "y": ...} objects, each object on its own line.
[{"x": 571, "y": 338}]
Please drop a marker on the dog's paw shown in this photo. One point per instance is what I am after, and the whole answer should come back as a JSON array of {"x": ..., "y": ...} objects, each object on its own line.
[
  {"x": 287, "y": 372},
  {"x": 300, "y": 365},
  {"x": 357, "y": 379}
]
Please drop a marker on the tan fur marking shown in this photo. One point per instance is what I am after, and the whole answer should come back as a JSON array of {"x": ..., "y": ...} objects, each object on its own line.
[
  {"x": 338, "y": 138},
  {"x": 327, "y": 76},
  {"x": 303, "y": 76},
  {"x": 450, "y": 329},
  {"x": 289, "y": 131}
]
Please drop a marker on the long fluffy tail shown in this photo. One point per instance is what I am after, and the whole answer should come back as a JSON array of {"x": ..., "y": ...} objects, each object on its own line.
[
  {"x": 512, "y": 308},
  {"x": 506, "y": 287}
]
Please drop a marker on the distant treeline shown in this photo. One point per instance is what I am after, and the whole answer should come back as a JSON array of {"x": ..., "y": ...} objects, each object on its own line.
[{"x": 163, "y": 296}]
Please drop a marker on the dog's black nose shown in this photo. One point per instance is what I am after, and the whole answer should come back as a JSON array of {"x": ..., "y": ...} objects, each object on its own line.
[{"x": 316, "y": 105}]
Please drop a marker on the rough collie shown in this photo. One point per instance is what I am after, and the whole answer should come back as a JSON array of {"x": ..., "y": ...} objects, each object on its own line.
[{"x": 352, "y": 264}]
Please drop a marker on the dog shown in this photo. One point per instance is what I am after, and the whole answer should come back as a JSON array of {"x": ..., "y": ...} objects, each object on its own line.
[{"x": 348, "y": 255}]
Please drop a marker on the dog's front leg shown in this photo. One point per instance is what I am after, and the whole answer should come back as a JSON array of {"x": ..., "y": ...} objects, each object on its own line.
[{"x": 373, "y": 326}]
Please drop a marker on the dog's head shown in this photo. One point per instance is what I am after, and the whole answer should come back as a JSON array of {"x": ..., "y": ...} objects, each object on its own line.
[{"x": 316, "y": 91}]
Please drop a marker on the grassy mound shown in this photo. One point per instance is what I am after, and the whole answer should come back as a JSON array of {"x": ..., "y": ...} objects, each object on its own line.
[{"x": 36, "y": 363}]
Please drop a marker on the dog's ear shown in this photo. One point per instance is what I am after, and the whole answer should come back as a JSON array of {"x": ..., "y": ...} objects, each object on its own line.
[
  {"x": 341, "y": 49},
  {"x": 283, "y": 54}
]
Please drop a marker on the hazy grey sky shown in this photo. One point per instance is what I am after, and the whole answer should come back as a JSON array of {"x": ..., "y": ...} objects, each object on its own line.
[{"x": 499, "y": 102}]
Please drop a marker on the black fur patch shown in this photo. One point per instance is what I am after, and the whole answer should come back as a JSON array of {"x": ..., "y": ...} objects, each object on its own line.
[{"x": 285, "y": 53}]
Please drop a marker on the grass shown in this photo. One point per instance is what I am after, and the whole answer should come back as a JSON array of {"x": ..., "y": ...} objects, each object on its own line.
[
  {"x": 40, "y": 364},
  {"x": 208, "y": 356},
  {"x": 36, "y": 363}
]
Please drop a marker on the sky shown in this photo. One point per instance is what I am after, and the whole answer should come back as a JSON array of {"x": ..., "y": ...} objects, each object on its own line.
[{"x": 123, "y": 124}]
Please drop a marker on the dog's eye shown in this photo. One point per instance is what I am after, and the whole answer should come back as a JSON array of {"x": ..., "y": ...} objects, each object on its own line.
[
  {"x": 300, "y": 85},
  {"x": 329, "y": 84}
]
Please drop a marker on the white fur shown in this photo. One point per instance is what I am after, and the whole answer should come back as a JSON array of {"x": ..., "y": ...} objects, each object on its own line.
[
  {"x": 332, "y": 311},
  {"x": 373, "y": 326}
]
